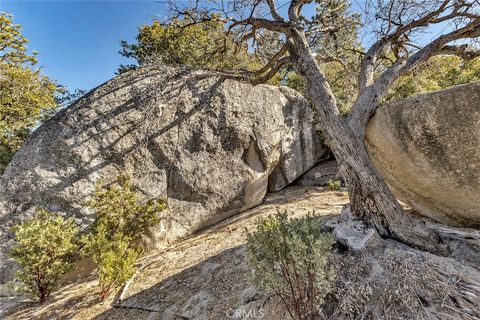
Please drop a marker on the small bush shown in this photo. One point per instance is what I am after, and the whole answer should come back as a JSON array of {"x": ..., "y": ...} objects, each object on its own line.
[
  {"x": 114, "y": 257},
  {"x": 117, "y": 208},
  {"x": 334, "y": 184},
  {"x": 45, "y": 250},
  {"x": 114, "y": 238},
  {"x": 289, "y": 258}
]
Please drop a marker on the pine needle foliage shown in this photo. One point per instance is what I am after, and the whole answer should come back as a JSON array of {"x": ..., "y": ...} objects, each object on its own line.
[
  {"x": 27, "y": 98},
  {"x": 207, "y": 45}
]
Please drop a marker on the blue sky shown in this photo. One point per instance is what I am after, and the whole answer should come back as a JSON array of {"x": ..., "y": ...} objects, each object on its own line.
[{"x": 78, "y": 41}]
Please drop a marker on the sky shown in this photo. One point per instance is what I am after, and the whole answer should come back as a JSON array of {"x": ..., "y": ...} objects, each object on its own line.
[{"x": 78, "y": 41}]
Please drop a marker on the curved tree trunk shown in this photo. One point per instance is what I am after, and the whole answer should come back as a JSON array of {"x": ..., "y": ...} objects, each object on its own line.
[{"x": 371, "y": 200}]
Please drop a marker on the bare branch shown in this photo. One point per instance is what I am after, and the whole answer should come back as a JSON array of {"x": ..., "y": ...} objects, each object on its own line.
[
  {"x": 471, "y": 30},
  {"x": 272, "y": 72},
  {"x": 367, "y": 66},
  {"x": 273, "y": 11},
  {"x": 295, "y": 8},
  {"x": 328, "y": 59},
  {"x": 465, "y": 51},
  {"x": 282, "y": 27},
  {"x": 283, "y": 50},
  {"x": 397, "y": 38},
  {"x": 370, "y": 97}
]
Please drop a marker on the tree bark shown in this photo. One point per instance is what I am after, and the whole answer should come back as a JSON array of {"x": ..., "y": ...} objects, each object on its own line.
[
  {"x": 372, "y": 201},
  {"x": 370, "y": 198}
]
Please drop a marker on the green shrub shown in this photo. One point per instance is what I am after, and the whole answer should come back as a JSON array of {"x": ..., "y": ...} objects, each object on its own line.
[
  {"x": 289, "y": 258},
  {"x": 45, "y": 249},
  {"x": 114, "y": 238},
  {"x": 117, "y": 207},
  {"x": 114, "y": 257},
  {"x": 334, "y": 184}
]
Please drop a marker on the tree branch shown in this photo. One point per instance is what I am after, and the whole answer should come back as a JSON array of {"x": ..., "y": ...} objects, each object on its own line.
[
  {"x": 367, "y": 66},
  {"x": 464, "y": 51},
  {"x": 273, "y": 11},
  {"x": 295, "y": 8},
  {"x": 273, "y": 71},
  {"x": 283, "y": 50},
  {"x": 370, "y": 98},
  {"x": 282, "y": 27},
  {"x": 401, "y": 67}
]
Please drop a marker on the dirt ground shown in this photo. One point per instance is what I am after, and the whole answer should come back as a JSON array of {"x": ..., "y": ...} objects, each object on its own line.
[{"x": 202, "y": 277}]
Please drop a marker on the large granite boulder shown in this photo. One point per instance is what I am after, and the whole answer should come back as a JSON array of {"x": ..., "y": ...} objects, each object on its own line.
[
  {"x": 428, "y": 150},
  {"x": 210, "y": 147}
]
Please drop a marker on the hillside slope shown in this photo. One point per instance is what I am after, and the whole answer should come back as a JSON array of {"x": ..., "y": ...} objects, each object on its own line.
[{"x": 202, "y": 277}]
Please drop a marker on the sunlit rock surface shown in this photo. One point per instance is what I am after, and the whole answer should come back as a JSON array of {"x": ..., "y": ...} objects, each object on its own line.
[
  {"x": 428, "y": 149},
  {"x": 211, "y": 147}
]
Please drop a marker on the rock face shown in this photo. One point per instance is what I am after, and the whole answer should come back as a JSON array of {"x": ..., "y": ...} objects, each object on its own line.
[
  {"x": 428, "y": 150},
  {"x": 210, "y": 147},
  {"x": 320, "y": 174}
]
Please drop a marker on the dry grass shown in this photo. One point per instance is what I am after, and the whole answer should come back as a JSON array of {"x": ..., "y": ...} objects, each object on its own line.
[{"x": 392, "y": 281}]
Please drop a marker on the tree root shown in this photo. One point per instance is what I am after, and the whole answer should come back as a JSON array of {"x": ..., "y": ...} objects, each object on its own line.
[
  {"x": 463, "y": 243},
  {"x": 418, "y": 235},
  {"x": 424, "y": 234}
]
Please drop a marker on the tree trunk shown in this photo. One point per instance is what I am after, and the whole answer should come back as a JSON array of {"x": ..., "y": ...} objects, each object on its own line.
[
  {"x": 373, "y": 202},
  {"x": 370, "y": 198}
]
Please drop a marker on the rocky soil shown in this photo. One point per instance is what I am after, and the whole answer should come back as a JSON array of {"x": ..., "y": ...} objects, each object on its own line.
[
  {"x": 427, "y": 157},
  {"x": 202, "y": 277},
  {"x": 206, "y": 276}
]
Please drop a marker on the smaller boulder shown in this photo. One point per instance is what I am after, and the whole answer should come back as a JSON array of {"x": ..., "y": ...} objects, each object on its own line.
[{"x": 320, "y": 174}]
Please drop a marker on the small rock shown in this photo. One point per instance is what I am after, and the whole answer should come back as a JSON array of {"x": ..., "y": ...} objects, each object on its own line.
[{"x": 320, "y": 174}]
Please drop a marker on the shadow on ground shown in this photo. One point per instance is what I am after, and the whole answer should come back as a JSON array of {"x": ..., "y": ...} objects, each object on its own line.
[{"x": 212, "y": 289}]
